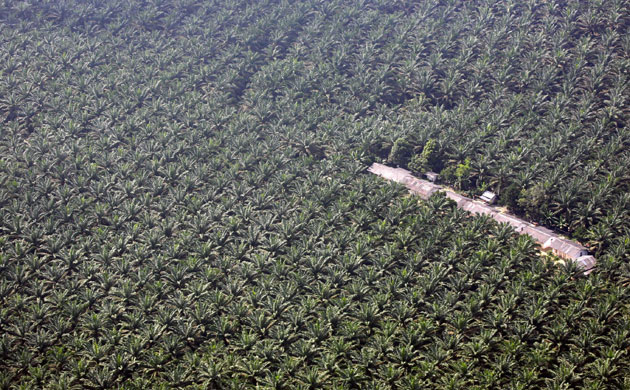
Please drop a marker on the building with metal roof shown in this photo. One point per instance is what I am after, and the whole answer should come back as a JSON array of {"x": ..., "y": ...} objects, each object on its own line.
[
  {"x": 432, "y": 177},
  {"x": 488, "y": 197},
  {"x": 457, "y": 198},
  {"x": 549, "y": 240},
  {"x": 587, "y": 263},
  {"x": 421, "y": 187},
  {"x": 539, "y": 233},
  {"x": 393, "y": 174},
  {"x": 564, "y": 248},
  {"x": 478, "y": 208}
]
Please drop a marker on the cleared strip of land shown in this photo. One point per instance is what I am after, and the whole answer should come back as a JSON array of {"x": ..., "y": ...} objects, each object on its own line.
[{"x": 548, "y": 240}]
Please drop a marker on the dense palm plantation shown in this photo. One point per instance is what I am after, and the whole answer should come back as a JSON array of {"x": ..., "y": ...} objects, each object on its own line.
[{"x": 184, "y": 204}]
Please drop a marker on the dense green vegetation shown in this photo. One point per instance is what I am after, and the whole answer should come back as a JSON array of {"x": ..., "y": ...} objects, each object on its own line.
[{"x": 184, "y": 204}]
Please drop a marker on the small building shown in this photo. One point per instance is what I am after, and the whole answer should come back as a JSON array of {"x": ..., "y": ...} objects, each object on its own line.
[
  {"x": 432, "y": 177},
  {"x": 489, "y": 197}
]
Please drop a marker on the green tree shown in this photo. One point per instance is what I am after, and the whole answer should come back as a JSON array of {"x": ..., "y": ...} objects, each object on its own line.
[
  {"x": 427, "y": 160},
  {"x": 401, "y": 152}
]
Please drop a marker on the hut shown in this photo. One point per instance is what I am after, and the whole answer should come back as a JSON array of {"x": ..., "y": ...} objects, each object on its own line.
[
  {"x": 432, "y": 177},
  {"x": 488, "y": 197}
]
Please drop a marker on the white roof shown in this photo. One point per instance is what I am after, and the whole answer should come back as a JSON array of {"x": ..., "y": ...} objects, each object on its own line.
[
  {"x": 571, "y": 249},
  {"x": 420, "y": 187},
  {"x": 459, "y": 199},
  {"x": 488, "y": 195},
  {"x": 478, "y": 208},
  {"x": 550, "y": 240},
  {"x": 394, "y": 174}
]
